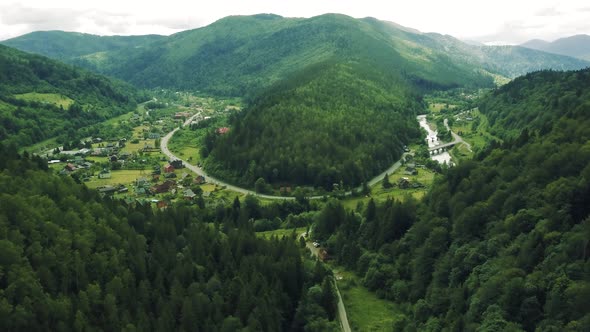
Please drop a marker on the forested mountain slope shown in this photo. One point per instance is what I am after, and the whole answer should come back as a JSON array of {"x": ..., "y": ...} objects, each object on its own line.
[
  {"x": 334, "y": 123},
  {"x": 240, "y": 54},
  {"x": 71, "y": 260},
  {"x": 65, "y": 46},
  {"x": 575, "y": 46},
  {"x": 501, "y": 243},
  {"x": 42, "y": 98}
]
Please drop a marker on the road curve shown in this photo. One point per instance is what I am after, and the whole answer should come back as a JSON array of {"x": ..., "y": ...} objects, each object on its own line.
[{"x": 199, "y": 171}]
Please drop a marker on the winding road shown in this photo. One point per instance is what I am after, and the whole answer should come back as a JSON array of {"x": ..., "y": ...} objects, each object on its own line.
[{"x": 199, "y": 171}]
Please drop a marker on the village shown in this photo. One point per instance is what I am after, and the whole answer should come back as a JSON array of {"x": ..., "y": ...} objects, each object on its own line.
[{"x": 132, "y": 167}]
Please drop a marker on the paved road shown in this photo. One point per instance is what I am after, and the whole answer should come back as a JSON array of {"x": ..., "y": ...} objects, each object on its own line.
[
  {"x": 199, "y": 171},
  {"x": 456, "y": 140},
  {"x": 342, "y": 317}
]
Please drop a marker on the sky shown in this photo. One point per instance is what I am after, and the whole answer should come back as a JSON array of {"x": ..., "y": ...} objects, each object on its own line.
[{"x": 491, "y": 22}]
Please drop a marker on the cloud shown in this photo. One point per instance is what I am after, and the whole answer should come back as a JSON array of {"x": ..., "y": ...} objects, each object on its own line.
[
  {"x": 548, "y": 12},
  {"x": 39, "y": 18}
]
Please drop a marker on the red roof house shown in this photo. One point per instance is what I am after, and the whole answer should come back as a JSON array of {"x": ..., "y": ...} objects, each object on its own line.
[{"x": 168, "y": 168}]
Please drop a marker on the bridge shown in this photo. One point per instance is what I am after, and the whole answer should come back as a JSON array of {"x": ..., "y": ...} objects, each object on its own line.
[{"x": 442, "y": 147}]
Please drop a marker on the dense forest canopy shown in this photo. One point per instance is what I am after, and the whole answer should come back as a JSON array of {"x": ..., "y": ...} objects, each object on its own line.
[
  {"x": 71, "y": 260},
  {"x": 66, "y": 98},
  {"x": 333, "y": 123},
  {"x": 501, "y": 242}
]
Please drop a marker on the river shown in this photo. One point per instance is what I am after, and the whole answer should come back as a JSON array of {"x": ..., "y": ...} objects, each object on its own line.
[{"x": 432, "y": 140}]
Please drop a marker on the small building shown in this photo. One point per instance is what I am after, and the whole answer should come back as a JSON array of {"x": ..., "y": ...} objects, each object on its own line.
[
  {"x": 411, "y": 171},
  {"x": 113, "y": 158},
  {"x": 163, "y": 188},
  {"x": 199, "y": 180},
  {"x": 107, "y": 190},
  {"x": 168, "y": 168},
  {"x": 285, "y": 190},
  {"x": 162, "y": 204},
  {"x": 222, "y": 130},
  {"x": 104, "y": 174},
  {"x": 189, "y": 194},
  {"x": 404, "y": 183},
  {"x": 70, "y": 167}
]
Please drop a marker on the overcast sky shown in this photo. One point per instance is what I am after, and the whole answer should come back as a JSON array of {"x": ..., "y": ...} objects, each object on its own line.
[{"x": 497, "y": 21}]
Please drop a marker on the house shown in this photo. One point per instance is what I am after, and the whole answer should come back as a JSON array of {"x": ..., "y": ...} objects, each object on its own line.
[
  {"x": 162, "y": 204},
  {"x": 142, "y": 182},
  {"x": 404, "y": 183},
  {"x": 163, "y": 188},
  {"x": 411, "y": 171},
  {"x": 170, "y": 175},
  {"x": 222, "y": 130},
  {"x": 153, "y": 135},
  {"x": 189, "y": 194},
  {"x": 113, "y": 158},
  {"x": 104, "y": 174},
  {"x": 168, "y": 168},
  {"x": 180, "y": 115},
  {"x": 177, "y": 163},
  {"x": 97, "y": 140},
  {"x": 285, "y": 190},
  {"x": 199, "y": 180},
  {"x": 124, "y": 155},
  {"x": 107, "y": 190},
  {"x": 70, "y": 167}
]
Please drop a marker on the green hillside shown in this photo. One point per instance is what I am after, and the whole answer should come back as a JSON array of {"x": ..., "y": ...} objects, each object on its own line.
[
  {"x": 333, "y": 123},
  {"x": 72, "y": 260},
  {"x": 240, "y": 54},
  {"x": 65, "y": 46},
  {"x": 501, "y": 243},
  {"x": 42, "y": 98}
]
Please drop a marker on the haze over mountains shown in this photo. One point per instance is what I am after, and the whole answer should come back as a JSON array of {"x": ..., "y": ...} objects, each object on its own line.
[{"x": 577, "y": 46}]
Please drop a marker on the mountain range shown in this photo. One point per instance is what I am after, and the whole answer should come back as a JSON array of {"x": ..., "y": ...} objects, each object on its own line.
[
  {"x": 240, "y": 54},
  {"x": 577, "y": 46},
  {"x": 329, "y": 99}
]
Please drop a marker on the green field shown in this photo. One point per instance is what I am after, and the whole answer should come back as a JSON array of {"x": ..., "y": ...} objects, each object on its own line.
[
  {"x": 280, "y": 232},
  {"x": 379, "y": 194},
  {"x": 118, "y": 177},
  {"x": 49, "y": 98},
  {"x": 437, "y": 107},
  {"x": 365, "y": 311}
]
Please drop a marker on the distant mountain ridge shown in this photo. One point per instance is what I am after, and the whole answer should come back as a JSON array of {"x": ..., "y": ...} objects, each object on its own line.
[
  {"x": 62, "y": 45},
  {"x": 241, "y": 54},
  {"x": 577, "y": 46}
]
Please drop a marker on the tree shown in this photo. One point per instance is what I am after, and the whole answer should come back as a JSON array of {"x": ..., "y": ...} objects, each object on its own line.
[
  {"x": 260, "y": 186},
  {"x": 386, "y": 183}
]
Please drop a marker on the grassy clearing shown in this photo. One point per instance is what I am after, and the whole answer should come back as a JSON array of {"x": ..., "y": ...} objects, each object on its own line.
[
  {"x": 437, "y": 107},
  {"x": 49, "y": 98},
  {"x": 118, "y": 177},
  {"x": 186, "y": 145},
  {"x": 279, "y": 233},
  {"x": 365, "y": 311},
  {"x": 40, "y": 147},
  {"x": 379, "y": 194}
]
